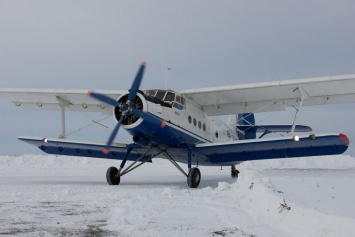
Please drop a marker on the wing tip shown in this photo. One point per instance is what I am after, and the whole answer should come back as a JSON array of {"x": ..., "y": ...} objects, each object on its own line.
[
  {"x": 344, "y": 138},
  {"x": 89, "y": 93}
]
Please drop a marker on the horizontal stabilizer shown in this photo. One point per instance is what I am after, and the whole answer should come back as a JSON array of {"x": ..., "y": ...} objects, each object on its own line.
[
  {"x": 273, "y": 148},
  {"x": 83, "y": 148},
  {"x": 249, "y": 131},
  {"x": 272, "y": 128}
]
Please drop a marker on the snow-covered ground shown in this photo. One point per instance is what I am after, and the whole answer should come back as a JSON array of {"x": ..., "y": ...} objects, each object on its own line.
[{"x": 63, "y": 196}]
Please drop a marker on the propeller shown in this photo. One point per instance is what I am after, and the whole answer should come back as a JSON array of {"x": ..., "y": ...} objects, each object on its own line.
[
  {"x": 103, "y": 98},
  {"x": 124, "y": 107}
]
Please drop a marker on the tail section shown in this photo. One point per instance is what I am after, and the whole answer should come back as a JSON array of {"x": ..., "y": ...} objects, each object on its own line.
[{"x": 246, "y": 121}]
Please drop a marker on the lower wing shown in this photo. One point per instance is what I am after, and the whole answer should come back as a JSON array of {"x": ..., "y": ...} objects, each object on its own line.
[
  {"x": 272, "y": 148},
  {"x": 228, "y": 153},
  {"x": 85, "y": 148}
]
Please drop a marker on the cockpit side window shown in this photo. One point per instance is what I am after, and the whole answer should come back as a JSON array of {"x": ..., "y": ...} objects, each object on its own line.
[
  {"x": 179, "y": 103},
  {"x": 183, "y": 101},
  {"x": 170, "y": 97},
  {"x": 150, "y": 93},
  {"x": 178, "y": 99},
  {"x": 165, "y": 98},
  {"x": 160, "y": 95}
]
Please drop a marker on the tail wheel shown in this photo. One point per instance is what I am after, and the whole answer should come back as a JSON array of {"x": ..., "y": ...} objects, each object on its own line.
[
  {"x": 234, "y": 174},
  {"x": 194, "y": 177},
  {"x": 111, "y": 176}
]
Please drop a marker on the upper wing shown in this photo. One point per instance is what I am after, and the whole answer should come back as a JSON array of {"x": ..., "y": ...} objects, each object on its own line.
[
  {"x": 273, "y": 96},
  {"x": 45, "y": 99}
]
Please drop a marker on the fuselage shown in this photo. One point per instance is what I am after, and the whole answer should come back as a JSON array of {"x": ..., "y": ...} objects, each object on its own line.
[{"x": 174, "y": 121}]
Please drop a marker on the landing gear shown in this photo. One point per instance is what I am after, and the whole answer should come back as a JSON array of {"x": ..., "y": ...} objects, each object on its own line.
[
  {"x": 112, "y": 176},
  {"x": 234, "y": 172},
  {"x": 194, "y": 177}
]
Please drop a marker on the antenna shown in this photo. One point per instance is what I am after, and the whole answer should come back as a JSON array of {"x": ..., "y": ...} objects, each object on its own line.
[{"x": 166, "y": 75}]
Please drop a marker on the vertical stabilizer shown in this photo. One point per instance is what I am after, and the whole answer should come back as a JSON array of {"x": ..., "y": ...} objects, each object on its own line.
[{"x": 247, "y": 119}]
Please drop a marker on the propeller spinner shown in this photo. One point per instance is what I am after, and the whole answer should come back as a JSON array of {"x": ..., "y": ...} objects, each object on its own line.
[{"x": 126, "y": 107}]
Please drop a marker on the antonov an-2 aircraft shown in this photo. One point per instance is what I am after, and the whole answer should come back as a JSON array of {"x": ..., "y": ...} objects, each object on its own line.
[{"x": 183, "y": 127}]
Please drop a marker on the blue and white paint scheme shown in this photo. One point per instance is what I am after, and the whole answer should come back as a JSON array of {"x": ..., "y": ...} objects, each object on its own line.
[{"x": 184, "y": 127}]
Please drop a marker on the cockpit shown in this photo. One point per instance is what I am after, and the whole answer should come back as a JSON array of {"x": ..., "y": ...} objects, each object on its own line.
[{"x": 168, "y": 98}]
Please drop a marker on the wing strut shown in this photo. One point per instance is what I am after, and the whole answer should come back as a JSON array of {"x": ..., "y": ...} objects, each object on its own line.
[
  {"x": 300, "y": 102},
  {"x": 62, "y": 103}
]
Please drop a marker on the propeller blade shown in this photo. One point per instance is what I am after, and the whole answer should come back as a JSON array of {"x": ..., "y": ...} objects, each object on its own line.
[
  {"x": 137, "y": 82},
  {"x": 113, "y": 135},
  {"x": 139, "y": 113},
  {"x": 103, "y": 98},
  {"x": 131, "y": 96}
]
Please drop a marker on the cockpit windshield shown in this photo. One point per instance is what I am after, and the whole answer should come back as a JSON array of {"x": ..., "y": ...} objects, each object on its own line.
[{"x": 168, "y": 97}]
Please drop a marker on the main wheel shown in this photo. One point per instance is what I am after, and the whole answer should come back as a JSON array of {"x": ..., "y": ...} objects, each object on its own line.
[
  {"x": 194, "y": 178},
  {"x": 111, "y": 176}
]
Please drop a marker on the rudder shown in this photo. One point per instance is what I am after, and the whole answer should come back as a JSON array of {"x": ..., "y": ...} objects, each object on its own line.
[{"x": 247, "y": 119}]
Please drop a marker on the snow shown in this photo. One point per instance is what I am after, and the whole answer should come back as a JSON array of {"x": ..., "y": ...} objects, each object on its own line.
[{"x": 61, "y": 196}]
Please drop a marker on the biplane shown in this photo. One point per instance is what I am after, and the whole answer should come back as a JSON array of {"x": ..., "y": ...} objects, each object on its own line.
[{"x": 186, "y": 128}]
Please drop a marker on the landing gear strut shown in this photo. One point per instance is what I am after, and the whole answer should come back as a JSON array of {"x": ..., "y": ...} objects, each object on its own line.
[
  {"x": 113, "y": 175},
  {"x": 194, "y": 176},
  {"x": 234, "y": 172}
]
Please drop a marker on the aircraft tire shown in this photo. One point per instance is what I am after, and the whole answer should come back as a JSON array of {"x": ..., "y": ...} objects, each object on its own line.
[
  {"x": 234, "y": 174},
  {"x": 194, "y": 178},
  {"x": 111, "y": 177}
]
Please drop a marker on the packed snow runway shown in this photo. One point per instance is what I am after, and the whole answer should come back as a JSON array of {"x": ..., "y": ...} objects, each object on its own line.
[{"x": 63, "y": 196}]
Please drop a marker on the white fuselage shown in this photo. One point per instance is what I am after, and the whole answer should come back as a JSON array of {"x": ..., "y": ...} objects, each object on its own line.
[{"x": 189, "y": 119}]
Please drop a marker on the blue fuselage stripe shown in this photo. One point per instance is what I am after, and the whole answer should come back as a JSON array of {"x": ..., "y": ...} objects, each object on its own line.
[{"x": 170, "y": 135}]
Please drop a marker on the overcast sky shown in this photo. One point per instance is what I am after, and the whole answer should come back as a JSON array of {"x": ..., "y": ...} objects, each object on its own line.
[{"x": 99, "y": 45}]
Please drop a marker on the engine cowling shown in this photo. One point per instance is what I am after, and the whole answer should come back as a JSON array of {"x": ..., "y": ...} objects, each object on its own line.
[{"x": 139, "y": 102}]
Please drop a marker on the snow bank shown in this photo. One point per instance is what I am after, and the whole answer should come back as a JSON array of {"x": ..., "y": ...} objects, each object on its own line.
[
  {"x": 248, "y": 207},
  {"x": 155, "y": 199},
  {"x": 314, "y": 162}
]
